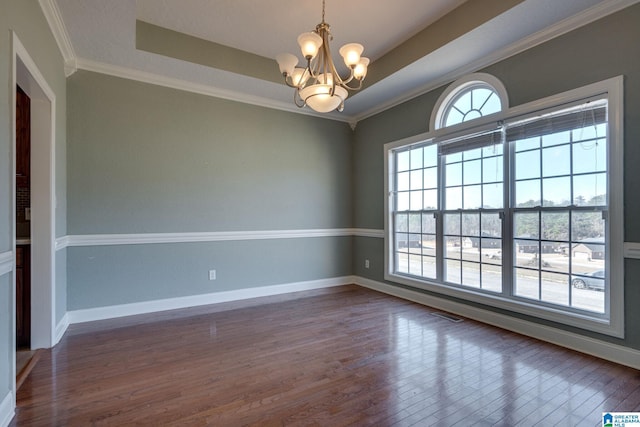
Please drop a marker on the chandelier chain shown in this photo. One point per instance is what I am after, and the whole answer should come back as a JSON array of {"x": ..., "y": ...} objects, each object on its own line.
[{"x": 323, "y": 11}]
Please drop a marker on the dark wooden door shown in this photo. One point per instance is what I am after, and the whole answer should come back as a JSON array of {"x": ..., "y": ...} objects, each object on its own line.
[
  {"x": 23, "y": 252},
  {"x": 23, "y": 138},
  {"x": 23, "y": 296}
]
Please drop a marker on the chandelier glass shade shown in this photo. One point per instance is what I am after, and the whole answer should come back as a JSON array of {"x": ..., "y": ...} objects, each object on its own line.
[{"x": 319, "y": 84}]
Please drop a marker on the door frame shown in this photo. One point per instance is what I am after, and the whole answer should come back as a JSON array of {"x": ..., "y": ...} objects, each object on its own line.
[{"x": 25, "y": 73}]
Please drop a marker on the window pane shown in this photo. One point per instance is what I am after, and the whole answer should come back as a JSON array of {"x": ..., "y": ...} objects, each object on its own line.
[
  {"x": 415, "y": 223},
  {"x": 402, "y": 158},
  {"x": 491, "y": 251},
  {"x": 430, "y": 201},
  {"x": 480, "y": 98},
  {"x": 528, "y": 193},
  {"x": 471, "y": 274},
  {"x": 555, "y": 288},
  {"x": 416, "y": 180},
  {"x": 472, "y": 172},
  {"x": 429, "y": 267},
  {"x": 416, "y": 200},
  {"x": 588, "y": 290},
  {"x": 402, "y": 201},
  {"x": 556, "y": 161},
  {"x": 491, "y": 278},
  {"x": 402, "y": 222},
  {"x": 454, "y": 117},
  {"x": 492, "y": 169},
  {"x": 471, "y": 224},
  {"x": 528, "y": 144},
  {"x": 528, "y": 164},
  {"x": 429, "y": 245},
  {"x": 463, "y": 103},
  {"x": 402, "y": 263},
  {"x": 402, "y": 181},
  {"x": 453, "y": 158},
  {"x": 452, "y": 247},
  {"x": 428, "y": 223},
  {"x": 431, "y": 156},
  {"x": 556, "y": 191},
  {"x": 492, "y": 197},
  {"x": 452, "y": 271},
  {"x": 476, "y": 153},
  {"x": 472, "y": 197},
  {"x": 527, "y": 283},
  {"x": 454, "y": 198},
  {"x": 491, "y": 225},
  {"x": 453, "y": 174},
  {"x": 493, "y": 105},
  {"x": 527, "y": 253},
  {"x": 555, "y": 225},
  {"x": 555, "y": 257},
  {"x": 430, "y": 179},
  {"x": 415, "y": 265},
  {"x": 416, "y": 158},
  {"x": 590, "y": 156},
  {"x": 526, "y": 225},
  {"x": 452, "y": 224},
  {"x": 587, "y": 225},
  {"x": 590, "y": 190}
]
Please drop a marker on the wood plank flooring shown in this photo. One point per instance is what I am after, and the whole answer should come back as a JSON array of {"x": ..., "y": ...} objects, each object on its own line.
[{"x": 336, "y": 357}]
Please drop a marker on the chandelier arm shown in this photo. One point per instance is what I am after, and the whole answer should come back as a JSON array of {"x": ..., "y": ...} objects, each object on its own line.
[{"x": 296, "y": 97}]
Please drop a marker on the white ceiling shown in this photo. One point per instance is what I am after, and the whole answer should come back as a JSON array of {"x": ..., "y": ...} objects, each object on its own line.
[
  {"x": 101, "y": 35},
  {"x": 268, "y": 28}
]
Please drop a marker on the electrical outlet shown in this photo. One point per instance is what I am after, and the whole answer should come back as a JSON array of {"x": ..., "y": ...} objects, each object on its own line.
[
  {"x": 212, "y": 275},
  {"x": 366, "y": 263}
]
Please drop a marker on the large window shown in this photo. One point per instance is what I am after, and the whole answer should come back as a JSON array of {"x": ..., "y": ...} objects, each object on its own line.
[{"x": 513, "y": 207}]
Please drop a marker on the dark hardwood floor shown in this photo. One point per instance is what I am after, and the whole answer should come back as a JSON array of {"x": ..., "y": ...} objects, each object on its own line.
[{"x": 335, "y": 357}]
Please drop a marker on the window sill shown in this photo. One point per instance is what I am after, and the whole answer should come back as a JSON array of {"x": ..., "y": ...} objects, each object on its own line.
[{"x": 595, "y": 323}]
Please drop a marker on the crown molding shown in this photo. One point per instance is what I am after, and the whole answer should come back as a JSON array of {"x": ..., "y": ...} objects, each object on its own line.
[
  {"x": 202, "y": 89},
  {"x": 56, "y": 24},
  {"x": 586, "y": 17}
]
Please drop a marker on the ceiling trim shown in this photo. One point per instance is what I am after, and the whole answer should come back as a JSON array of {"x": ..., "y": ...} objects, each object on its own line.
[
  {"x": 60, "y": 34},
  {"x": 202, "y": 89},
  {"x": 569, "y": 24}
]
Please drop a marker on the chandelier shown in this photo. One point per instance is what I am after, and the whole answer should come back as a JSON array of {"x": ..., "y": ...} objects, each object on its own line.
[{"x": 319, "y": 85}]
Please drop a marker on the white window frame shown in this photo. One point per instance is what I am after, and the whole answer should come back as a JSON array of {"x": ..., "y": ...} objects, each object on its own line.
[{"x": 612, "y": 323}]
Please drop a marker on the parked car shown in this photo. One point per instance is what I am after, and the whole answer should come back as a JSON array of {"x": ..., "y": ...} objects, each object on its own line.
[{"x": 594, "y": 280}]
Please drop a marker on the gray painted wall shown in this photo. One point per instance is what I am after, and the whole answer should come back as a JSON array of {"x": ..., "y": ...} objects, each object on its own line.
[
  {"x": 148, "y": 159},
  {"x": 601, "y": 50}
]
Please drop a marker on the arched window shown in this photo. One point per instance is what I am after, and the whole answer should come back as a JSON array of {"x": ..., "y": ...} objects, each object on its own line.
[{"x": 471, "y": 97}]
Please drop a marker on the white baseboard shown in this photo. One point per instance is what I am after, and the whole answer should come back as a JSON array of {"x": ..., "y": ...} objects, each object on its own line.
[
  {"x": 602, "y": 349},
  {"x": 110, "y": 312},
  {"x": 7, "y": 409},
  {"x": 61, "y": 328}
]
